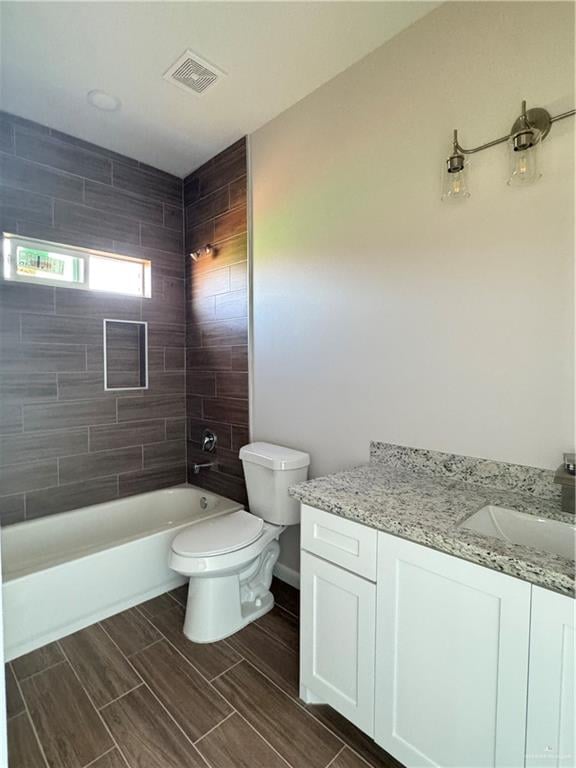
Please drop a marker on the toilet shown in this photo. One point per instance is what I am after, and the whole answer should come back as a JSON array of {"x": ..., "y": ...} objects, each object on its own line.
[{"x": 230, "y": 558}]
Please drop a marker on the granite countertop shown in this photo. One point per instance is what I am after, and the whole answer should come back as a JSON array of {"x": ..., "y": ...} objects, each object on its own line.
[{"x": 423, "y": 495}]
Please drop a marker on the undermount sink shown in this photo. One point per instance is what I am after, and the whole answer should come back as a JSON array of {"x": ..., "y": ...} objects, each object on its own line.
[{"x": 519, "y": 528}]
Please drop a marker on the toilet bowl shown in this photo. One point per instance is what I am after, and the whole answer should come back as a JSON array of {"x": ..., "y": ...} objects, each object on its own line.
[{"x": 229, "y": 559}]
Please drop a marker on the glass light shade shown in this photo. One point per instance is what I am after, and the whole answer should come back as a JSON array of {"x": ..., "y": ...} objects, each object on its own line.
[
  {"x": 523, "y": 161},
  {"x": 455, "y": 183}
]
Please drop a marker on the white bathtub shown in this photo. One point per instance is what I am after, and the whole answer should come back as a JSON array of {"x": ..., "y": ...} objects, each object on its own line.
[{"x": 66, "y": 571}]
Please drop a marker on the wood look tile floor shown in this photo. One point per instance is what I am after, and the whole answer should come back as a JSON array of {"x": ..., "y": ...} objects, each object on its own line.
[{"x": 133, "y": 692}]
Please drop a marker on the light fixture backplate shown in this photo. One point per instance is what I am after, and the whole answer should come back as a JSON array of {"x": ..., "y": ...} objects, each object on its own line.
[{"x": 537, "y": 118}]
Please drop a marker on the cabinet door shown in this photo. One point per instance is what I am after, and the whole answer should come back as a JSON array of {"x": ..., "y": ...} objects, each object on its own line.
[
  {"x": 451, "y": 660},
  {"x": 337, "y": 639},
  {"x": 551, "y": 715}
]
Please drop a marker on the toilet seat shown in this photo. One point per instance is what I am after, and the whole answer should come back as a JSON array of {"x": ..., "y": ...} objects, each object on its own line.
[{"x": 218, "y": 535}]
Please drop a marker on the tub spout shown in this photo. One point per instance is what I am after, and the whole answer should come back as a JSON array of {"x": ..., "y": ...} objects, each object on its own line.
[{"x": 208, "y": 465}]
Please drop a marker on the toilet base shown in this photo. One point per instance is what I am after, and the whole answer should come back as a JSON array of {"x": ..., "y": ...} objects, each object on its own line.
[{"x": 219, "y": 606}]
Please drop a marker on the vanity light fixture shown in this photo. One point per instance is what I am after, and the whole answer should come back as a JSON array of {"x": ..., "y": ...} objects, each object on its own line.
[
  {"x": 205, "y": 250},
  {"x": 524, "y": 139}
]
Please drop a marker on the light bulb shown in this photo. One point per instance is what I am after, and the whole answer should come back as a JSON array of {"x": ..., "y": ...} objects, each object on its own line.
[
  {"x": 455, "y": 180},
  {"x": 524, "y": 157}
]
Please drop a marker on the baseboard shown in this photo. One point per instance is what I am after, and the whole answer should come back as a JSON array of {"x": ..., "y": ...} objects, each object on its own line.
[{"x": 288, "y": 575}]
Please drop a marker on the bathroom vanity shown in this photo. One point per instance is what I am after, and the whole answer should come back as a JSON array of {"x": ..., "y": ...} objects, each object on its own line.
[{"x": 447, "y": 646}]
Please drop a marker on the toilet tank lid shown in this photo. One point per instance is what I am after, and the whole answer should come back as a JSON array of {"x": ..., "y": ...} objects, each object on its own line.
[{"x": 274, "y": 456}]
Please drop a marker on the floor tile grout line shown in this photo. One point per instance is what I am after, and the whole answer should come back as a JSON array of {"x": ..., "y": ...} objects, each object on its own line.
[
  {"x": 149, "y": 689},
  {"x": 264, "y": 739},
  {"x": 112, "y": 701},
  {"x": 335, "y": 757},
  {"x": 274, "y": 635},
  {"x": 108, "y": 731},
  {"x": 31, "y": 721},
  {"x": 92, "y": 762},
  {"x": 199, "y": 671},
  {"x": 227, "y": 717},
  {"x": 296, "y": 701},
  {"x": 145, "y": 648},
  {"x": 35, "y": 674},
  {"x": 240, "y": 660}
]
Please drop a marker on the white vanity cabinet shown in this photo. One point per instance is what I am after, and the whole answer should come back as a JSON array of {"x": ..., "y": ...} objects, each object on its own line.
[
  {"x": 451, "y": 659},
  {"x": 338, "y": 615},
  {"x": 551, "y": 712},
  {"x": 445, "y": 663}
]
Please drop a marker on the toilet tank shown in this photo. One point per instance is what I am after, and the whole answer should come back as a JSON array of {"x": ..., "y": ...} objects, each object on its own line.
[{"x": 269, "y": 471}]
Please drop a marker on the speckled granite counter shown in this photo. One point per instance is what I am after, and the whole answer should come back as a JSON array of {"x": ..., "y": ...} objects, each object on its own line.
[{"x": 423, "y": 495}]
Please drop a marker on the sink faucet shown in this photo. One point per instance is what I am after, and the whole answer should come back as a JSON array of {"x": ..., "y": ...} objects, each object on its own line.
[{"x": 566, "y": 477}]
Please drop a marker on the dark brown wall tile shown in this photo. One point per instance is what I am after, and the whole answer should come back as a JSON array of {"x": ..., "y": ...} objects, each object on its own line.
[
  {"x": 107, "y": 198},
  {"x": 81, "y": 386},
  {"x": 151, "y": 479},
  {"x": 102, "y": 305},
  {"x": 10, "y": 418},
  {"x": 240, "y": 437},
  {"x": 238, "y": 190},
  {"x": 26, "y": 447},
  {"x": 207, "y": 208},
  {"x": 28, "y": 477},
  {"x": 95, "y": 222},
  {"x": 224, "y": 333},
  {"x": 161, "y": 237},
  {"x": 201, "y": 383},
  {"x": 32, "y": 388},
  {"x": 166, "y": 335},
  {"x": 60, "y": 234},
  {"x": 25, "y": 206},
  {"x": 173, "y": 217},
  {"x": 232, "y": 384},
  {"x": 71, "y": 496},
  {"x": 166, "y": 454},
  {"x": 21, "y": 174},
  {"x": 40, "y": 358},
  {"x": 166, "y": 383},
  {"x": 216, "y": 359},
  {"x": 174, "y": 358},
  {"x": 227, "y": 410},
  {"x": 78, "y": 413},
  {"x": 147, "y": 183},
  {"x": 175, "y": 429},
  {"x": 125, "y": 435},
  {"x": 239, "y": 356},
  {"x": 239, "y": 277},
  {"x": 230, "y": 224},
  {"x": 229, "y": 305},
  {"x": 20, "y": 296},
  {"x": 11, "y": 509},
  {"x": 153, "y": 407},
  {"x": 62, "y": 330},
  {"x": 100, "y": 464},
  {"x": 62, "y": 155}
]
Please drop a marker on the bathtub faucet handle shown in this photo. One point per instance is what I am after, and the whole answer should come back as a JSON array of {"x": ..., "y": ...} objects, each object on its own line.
[{"x": 209, "y": 441}]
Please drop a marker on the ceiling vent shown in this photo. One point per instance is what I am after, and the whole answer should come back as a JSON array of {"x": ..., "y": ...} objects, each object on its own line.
[{"x": 192, "y": 73}]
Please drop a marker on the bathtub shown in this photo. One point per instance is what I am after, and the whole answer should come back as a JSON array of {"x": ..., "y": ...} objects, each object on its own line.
[{"x": 64, "y": 572}]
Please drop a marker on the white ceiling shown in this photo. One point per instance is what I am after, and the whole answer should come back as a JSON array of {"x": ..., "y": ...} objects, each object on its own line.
[{"x": 274, "y": 54}]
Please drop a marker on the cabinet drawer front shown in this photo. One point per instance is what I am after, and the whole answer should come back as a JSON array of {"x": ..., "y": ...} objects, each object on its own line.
[
  {"x": 348, "y": 544},
  {"x": 337, "y": 636}
]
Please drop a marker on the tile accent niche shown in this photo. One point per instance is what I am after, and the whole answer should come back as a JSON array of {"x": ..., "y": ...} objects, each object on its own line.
[
  {"x": 217, "y": 318},
  {"x": 64, "y": 441}
]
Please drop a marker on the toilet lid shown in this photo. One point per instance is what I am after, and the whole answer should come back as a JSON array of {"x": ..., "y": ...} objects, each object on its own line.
[{"x": 218, "y": 535}]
